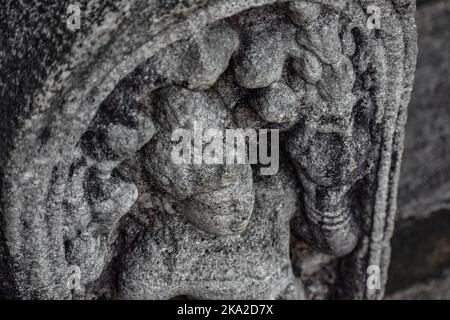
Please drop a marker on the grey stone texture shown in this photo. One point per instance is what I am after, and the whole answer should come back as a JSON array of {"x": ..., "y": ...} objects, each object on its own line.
[
  {"x": 86, "y": 175},
  {"x": 425, "y": 183},
  {"x": 431, "y": 289}
]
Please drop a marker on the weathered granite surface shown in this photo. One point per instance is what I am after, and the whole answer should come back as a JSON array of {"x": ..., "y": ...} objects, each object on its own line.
[{"x": 86, "y": 181}]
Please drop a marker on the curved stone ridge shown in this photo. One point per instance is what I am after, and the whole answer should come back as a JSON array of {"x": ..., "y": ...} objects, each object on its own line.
[{"x": 87, "y": 181}]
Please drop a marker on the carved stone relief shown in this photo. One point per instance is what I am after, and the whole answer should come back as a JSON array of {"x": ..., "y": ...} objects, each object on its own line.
[{"x": 87, "y": 178}]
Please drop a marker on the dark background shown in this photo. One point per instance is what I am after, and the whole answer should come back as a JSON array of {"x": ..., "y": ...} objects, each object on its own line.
[{"x": 420, "y": 263}]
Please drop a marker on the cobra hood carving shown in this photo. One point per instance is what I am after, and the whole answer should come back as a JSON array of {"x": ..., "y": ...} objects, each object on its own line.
[{"x": 87, "y": 179}]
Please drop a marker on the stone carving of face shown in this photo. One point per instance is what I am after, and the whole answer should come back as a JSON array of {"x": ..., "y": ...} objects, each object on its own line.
[{"x": 140, "y": 226}]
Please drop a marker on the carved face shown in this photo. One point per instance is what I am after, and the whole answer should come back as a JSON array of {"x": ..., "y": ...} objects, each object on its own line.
[{"x": 222, "y": 231}]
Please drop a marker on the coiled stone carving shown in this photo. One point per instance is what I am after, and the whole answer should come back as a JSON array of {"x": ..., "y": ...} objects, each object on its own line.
[{"x": 140, "y": 226}]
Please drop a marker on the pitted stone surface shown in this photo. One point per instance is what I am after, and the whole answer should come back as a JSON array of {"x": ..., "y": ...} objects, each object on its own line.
[
  {"x": 176, "y": 259},
  {"x": 86, "y": 175}
]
